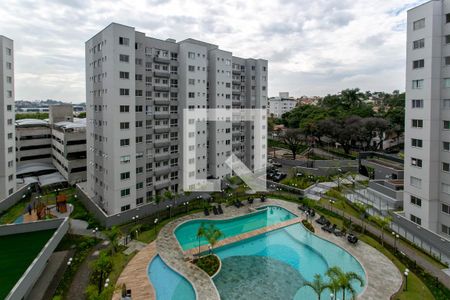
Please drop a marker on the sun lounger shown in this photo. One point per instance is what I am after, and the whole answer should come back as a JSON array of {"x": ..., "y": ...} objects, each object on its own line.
[
  {"x": 219, "y": 208},
  {"x": 215, "y": 210},
  {"x": 206, "y": 211}
]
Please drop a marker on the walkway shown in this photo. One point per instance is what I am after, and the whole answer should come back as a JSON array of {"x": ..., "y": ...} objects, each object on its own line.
[{"x": 135, "y": 275}]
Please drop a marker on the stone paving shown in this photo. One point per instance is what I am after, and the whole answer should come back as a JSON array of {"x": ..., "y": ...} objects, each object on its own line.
[{"x": 383, "y": 278}]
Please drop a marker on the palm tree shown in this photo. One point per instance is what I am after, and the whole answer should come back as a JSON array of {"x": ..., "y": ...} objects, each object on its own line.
[
  {"x": 383, "y": 222},
  {"x": 344, "y": 279},
  {"x": 318, "y": 285},
  {"x": 210, "y": 233},
  {"x": 113, "y": 236}
]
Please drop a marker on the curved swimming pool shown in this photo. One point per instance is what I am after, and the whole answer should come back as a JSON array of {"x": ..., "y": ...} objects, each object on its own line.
[
  {"x": 275, "y": 265},
  {"x": 186, "y": 233},
  {"x": 168, "y": 284}
]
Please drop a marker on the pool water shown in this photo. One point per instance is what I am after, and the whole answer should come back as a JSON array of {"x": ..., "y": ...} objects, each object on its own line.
[
  {"x": 187, "y": 233},
  {"x": 168, "y": 284},
  {"x": 275, "y": 265}
]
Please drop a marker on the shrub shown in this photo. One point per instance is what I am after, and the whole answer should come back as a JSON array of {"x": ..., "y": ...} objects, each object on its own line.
[
  {"x": 210, "y": 264},
  {"x": 308, "y": 225}
]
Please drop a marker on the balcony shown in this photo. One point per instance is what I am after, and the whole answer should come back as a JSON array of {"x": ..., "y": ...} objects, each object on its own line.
[
  {"x": 164, "y": 74},
  {"x": 162, "y": 170},
  {"x": 161, "y": 101},
  {"x": 161, "y": 143},
  {"x": 161, "y": 60},
  {"x": 161, "y": 88},
  {"x": 162, "y": 129},
  {"x": 162, "y": 184},
  {"x": 159, "y": 115},
  {"x": 162, "y": 156}
]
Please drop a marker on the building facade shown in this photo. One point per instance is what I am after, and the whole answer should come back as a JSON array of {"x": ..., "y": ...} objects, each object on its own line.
[
  {"x": 281, "y": 105},
  {"x": 137, "y": 88},
  {"x": 7, "y": 132},
  {"x": 427, "y": 128}
]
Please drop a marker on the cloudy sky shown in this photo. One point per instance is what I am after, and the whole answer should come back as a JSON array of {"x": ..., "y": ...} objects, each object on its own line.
[{"x": 313, "y": 47}]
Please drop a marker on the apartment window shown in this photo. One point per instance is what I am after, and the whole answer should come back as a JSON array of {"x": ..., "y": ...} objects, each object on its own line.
[
  {"x": 415, "y": 182},
  {"x": 139, "y": 124},
  {"x": 8, "y": 79},
  {"x": 139, "y": 108},
  {"x": 415, "y": 219},
  {"x": 192, "y": 81},
  {"x": 9, "y": 107},
  {"x": 419, "y": 44},
  {"x": 447, "y": 82},
  {"x": 8, "y": 51},
  {"x": 417, "y": 103},
  {"x": 191, "y": 95},
  {"x": 124, "y": 92},
  {"x": 420, "y": 63},
  {"x": 139, "y": 185},
  {"x": 8, "y": 65},
  {"x": 419, "y": 24},
  {"x": 445, "y": 188},
  {"x": 191, "y": 68},
  {"x": 447, "y": 39},
  {"x": 446, "y": 146},
  {"x": 191, "y": 55},
  {"x": 125, "y": 207},
  {"x": 445, "y": 167},
  {"x": 416, "y": 162},
  {"x": 124, "y": 41},
  {"x": 138, "y": 61},
  {"x": 124, "y": 75},
  {"x": 445, "y": 229},
  {"x": 9, "y": 93},
  {"x": 446, "y": 208},
  {"x": 416, "y": 201},
  {"x": 125, "y": 192},
  {"x": 417, "y": 123},
  {"x": 124, "y": 175},
  {"x": 139, "y": 93},
  {"x": 447, "y": 60},
  {"x": 125, "y": 159},
  {"x": 124, "y": 58},
  {"x": 447, "y": 18},
  {"x": 124, "y": 125},
  {"x": 124, "y": 142},
  {"x": 139, "y": 139},
  {"x": 138, "y": 77},
  {"x": 446, "y": 103},
  {"x": 416, "y": 143},
  {"x": 447, "y": 125},
  {"x": 124, "y": 108},
  {"x": 10, "y": 136},
  {"x": 140, "y": 201},
  {"x": 417, "y": 84}
]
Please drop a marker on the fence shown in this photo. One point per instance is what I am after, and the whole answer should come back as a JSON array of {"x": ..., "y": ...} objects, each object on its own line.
[
  {"x": 11, "y": 200},
  {"x": 321, "y": 167},
  {"x": 34, "y": 271},
  {"x": 141, "y": 211}
]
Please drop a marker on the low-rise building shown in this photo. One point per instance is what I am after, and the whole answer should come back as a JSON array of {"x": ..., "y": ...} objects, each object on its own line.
[
  {"x": 281, "y": 105},
  {"x": 33, "y": 141}
]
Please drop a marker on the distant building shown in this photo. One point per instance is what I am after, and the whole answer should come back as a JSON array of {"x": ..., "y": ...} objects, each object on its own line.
[
  {"x": 281, "y": 104},
  {"x": 7, "y": 134}
]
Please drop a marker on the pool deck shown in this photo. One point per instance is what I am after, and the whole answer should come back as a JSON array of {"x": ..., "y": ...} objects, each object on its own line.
[{"x": 383, "y": 278}]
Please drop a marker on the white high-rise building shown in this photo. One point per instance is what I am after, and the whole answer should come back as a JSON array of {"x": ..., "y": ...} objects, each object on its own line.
[
  {"x": 7, "y": 131},
  {"x": 281, "y": 104},
  {"x": 136, "y": 90},
  {"x": 427, "y": 128}
]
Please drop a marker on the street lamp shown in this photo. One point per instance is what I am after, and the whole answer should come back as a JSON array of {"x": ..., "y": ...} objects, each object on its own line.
[
  {"x": 155, "y": 222},
  {"x": 69, "y": 262},
  {"x": 169, "y": 207},
  {"x": 406, "y": 273},
  {"x": 396, "y": 236},
  {"x": 332, "y": 296}
]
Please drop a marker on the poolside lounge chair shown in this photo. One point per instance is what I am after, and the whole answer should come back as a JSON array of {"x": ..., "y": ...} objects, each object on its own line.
[
  {"x": 338, "y": 232},
  {"x": 215, "y": 211},
  {"x": 206, "y": 211},
  {"x": 219, "y": 208},
  {"x": 250, "y": 200},
  {"x": 322, "y": 220},
  {"x": 329, "y": 228},
  {"x": 303, "y": 207},
  {"x": 311, "y": 212},
  {"x": 352, "y": 239},
  {"x": 263, "y": 198}
]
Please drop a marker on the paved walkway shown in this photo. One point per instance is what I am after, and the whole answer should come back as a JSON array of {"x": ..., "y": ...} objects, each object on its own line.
[{"x": 135, "y": 275}]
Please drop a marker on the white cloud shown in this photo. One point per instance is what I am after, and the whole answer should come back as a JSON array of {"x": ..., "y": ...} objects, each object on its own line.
[{"x": 314, "y": 47}]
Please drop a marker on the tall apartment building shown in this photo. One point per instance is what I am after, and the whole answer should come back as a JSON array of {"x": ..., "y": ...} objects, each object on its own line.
[
  {"x": 136, "y": 90},
  {"x": 7, "y": 135},
  {"x": 427, "y": 133}
]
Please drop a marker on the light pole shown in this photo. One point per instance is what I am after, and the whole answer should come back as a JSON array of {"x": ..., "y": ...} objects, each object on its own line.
[
  {"x": 406, "y": 273},
  {"x": 396, "y": 236},
  {"x": 69, "y": 262},
  {"x": 135, "y": 219},
  {"x": 155, "y": 222},
  {"x": 332, "y": 296},
  {"x": 169, "y": 207}
]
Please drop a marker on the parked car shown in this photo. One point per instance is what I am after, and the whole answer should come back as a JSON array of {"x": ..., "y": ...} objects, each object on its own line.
[{"x": 279, "y": 176}]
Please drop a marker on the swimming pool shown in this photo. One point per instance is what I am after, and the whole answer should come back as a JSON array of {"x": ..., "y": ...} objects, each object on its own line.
[
  {"x": 168, "y": 284},
  {"x": 186, "y": 233},
  {"x": 275, "y": 265}
]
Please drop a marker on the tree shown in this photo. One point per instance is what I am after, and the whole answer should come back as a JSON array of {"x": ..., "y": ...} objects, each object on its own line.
[
  {"x": 344, "y": 279},
  {"x": 169, "y": 195},
  {"x": 101, "y": 267},
  {"x": 210, "y": 233},
  {"x": 318, "y": 285},
  {"x": 293, "y": 138},
  {"x": 113, "y": 236},
  {"x": 383, "y": 222}
]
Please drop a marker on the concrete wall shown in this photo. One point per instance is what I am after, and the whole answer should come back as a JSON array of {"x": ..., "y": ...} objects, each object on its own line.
[
  {"x": 14, "y": 198},
  {"x": 320, "y": 167},
  {"x": 34, "y": 271}
]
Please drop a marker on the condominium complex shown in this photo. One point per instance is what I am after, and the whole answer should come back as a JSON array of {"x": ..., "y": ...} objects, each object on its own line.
[
  {"x": 427, "y": 133},
  {"x": 281, "y": 104},
  {"x": 136, "y": 90},
  {"x": 7, "y": 135}
]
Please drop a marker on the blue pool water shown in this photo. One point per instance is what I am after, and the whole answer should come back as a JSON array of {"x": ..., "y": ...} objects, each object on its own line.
[
  {"x": 275, "y": 265},
  {"x": 19, "y": 220},
  {"x": 187, "y": 233},
  {"x": 168, "y": 284}
]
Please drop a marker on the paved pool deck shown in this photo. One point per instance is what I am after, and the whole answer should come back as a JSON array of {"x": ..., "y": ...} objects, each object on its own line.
[{"x": 383, "y": 278}]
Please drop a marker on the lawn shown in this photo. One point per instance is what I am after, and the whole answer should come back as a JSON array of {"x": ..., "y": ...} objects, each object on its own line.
[{"x": 17, "y": 253}]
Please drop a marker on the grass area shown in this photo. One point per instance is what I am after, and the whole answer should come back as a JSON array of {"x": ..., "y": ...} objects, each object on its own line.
[
  {"x": 417, "y": 290},
  {"x": 17, "y": 253},
  {"x": 80, "y": 212},
  {"x": 210, "y": 264},
  {"x": 82, "y": 246},
  {"x": 14, "y": 212}
]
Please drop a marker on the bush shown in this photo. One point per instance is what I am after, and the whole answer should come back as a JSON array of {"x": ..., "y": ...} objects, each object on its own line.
[
  {"x": 308, "y": 225},
  {"x": 210, "y": 264}
]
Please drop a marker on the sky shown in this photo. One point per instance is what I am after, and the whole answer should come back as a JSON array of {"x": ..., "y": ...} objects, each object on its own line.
[{"x": 313, "y": 47}]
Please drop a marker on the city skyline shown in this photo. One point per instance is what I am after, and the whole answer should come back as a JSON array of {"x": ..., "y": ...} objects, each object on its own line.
[{"x": 362, "y": 44}]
